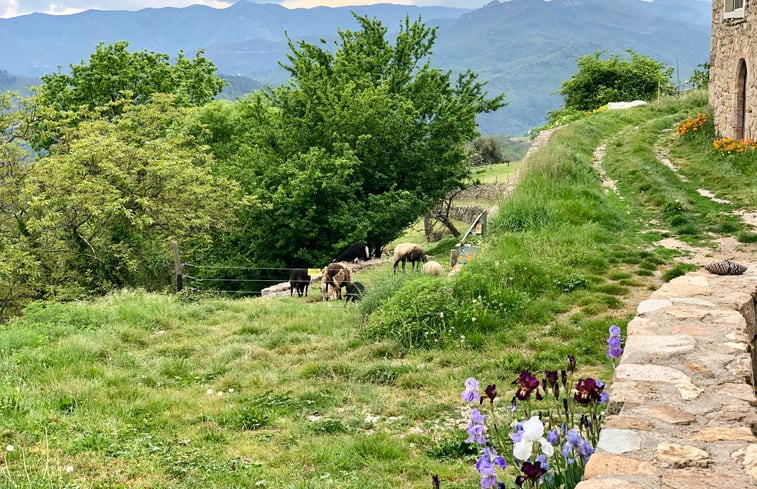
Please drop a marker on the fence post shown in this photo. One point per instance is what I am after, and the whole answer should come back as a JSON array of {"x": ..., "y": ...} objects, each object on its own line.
[{"x": 177, "y": 267}]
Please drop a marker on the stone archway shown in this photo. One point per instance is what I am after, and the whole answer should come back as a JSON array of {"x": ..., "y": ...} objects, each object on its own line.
[{"x": 740, "y": 122}]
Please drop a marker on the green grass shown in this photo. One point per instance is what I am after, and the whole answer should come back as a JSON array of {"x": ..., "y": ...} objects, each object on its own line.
[{"x": 125, "y": 389}]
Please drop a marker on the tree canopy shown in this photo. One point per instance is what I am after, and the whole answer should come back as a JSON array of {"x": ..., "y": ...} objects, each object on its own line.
[
  {"x": 114, "y": 74},
  {"x": 363, "y": 139},
  {"x": 599, "y": 81}
]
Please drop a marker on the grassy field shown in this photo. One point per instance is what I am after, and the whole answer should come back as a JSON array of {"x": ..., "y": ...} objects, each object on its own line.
[{"x": 150, "y": 390}]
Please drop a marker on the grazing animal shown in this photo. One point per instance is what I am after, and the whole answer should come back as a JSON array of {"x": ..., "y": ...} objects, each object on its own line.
[
  {"x": 432, "y": 268},
  {"x": 356, "y": 252},
  {"x": 337, "y": 276},
  {"x": 355, "y": 292},
  {"x": 404, "y": 252},
  {"x": 299, "y": 280}
]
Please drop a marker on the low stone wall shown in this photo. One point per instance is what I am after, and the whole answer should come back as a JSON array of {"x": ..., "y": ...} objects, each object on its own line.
[{"x": 682, "y": 411}]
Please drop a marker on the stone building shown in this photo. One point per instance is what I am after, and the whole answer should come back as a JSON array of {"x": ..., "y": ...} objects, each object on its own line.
[{"x": 733, "y": 68}]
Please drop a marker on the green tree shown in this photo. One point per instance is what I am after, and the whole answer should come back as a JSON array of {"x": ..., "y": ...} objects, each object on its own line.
[
  {"x": 20, "y": 271},
  {"x": 485, "y": 150},
  {"x": 114, "y": 74},
  {"x": 700, "y": 79},
  {"x": 104, "y": 205},
  {"x": 599, "y": 81},
  {"x": 361, "y": 142}
]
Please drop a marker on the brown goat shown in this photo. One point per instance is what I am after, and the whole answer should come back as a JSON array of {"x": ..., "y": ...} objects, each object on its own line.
[{"x": 337, "y": 276}]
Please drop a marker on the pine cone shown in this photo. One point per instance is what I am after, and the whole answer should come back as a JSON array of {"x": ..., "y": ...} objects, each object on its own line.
[{"x": 726, "y": 267}]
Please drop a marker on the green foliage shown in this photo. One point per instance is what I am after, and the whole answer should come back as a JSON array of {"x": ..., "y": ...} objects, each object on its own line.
[
  {"x": 114, "y": 75},
  {"x": 418, "y": 315},
  {"x": 361, "y": 142},
  {"x": 700, "y": 79},
  {"x": 599, "y": 81},
  {"x": 677, "y": 270},
  {"x": 485, "y": 150},
  {"x": 101, "y": 209}
]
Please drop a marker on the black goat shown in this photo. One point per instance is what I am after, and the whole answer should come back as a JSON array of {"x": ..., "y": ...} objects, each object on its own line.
[
  {"x": 355, "y": 292},
  {"x": 356, "y": 251},
  {"x": 300, "y": 280}
]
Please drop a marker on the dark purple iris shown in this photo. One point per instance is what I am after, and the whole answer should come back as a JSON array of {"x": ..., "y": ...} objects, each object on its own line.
[
  {"x": 571, "y": 363},
  {"x": 527, "y": 384},
  {"x": 489, "y": 393},
  {"x": 588, "y": 390},
  {"x": 530, "y": 472}
]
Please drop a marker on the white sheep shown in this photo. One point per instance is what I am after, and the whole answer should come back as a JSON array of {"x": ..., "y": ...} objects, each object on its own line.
[{"x": 433, "y": 268}]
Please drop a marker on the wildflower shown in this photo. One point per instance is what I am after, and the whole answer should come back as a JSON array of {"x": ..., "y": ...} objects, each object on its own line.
[
  {"x": 533, "y": 431},
  {"x": 513, "y": 405},
  {"x": 471, "y": 390},
  {"x": 486, "y": 467},
  {"x": 69, "y": 469},
  {"x": 9, "y": 448},
  {"x": 209, "y": 392},
  {"x": 231, "y": 389},
  {"x": 476, "y": 428},
  {"x": 571, "y": 363}
]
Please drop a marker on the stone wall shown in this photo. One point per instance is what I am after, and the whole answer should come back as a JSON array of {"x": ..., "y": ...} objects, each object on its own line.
[
  {"x": 733, "y": 40},
  {"x": 682, "y": 411}
]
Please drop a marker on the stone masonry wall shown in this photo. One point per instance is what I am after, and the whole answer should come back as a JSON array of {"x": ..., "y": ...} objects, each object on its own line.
[
  {"x": 733, "y": 40},
  {"x": 682, "y": 411}
]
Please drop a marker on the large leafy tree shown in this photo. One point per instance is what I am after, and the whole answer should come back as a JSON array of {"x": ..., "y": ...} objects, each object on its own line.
[
  {"x": 20, "y": 271},
  {"x": 114, "y": 74},
  {"x": 361, "y": 142},
  {"x": 102, "y": 208},
  {"x": 613, "y": 78}
]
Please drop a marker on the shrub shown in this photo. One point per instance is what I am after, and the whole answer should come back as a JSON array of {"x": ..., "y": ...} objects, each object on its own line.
[{"x": 418, "y": 315}]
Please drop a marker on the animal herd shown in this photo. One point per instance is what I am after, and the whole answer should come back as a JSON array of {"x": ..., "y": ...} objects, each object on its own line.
[{"x": 336, "y": 275}]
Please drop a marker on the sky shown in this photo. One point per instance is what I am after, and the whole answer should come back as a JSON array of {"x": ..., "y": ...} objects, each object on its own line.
[{"x": 13, "y": 8}]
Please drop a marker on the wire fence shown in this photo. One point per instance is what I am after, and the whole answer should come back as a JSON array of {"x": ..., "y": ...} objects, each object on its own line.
[{"x": 211, "y": 279}]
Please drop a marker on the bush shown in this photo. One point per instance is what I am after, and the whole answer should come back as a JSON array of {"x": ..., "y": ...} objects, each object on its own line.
[{"x": 418, "y": 315}]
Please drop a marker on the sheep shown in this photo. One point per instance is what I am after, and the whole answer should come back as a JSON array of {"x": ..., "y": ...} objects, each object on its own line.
[
  {"x": 300, "y": 280},
  {"x": 356, "y": 251},
  {"x": 433, "y": 268},
  {"x": 408, "y": 251},
  {"x": 336, "y": 275},
  {"x": 355, "y": 292}
]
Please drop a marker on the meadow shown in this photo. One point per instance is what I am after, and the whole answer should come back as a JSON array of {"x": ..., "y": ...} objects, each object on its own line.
[{"x": 152, "y": 390}]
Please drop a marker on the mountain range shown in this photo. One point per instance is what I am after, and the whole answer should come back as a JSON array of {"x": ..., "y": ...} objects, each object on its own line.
[{"x": 524, "y": 48}]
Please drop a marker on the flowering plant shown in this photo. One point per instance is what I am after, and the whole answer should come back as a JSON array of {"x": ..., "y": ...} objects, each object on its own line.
[
  {"x": 548, "y": 430},
  {"x": 691, "y": 124},
  {"x": 728, "y": 146}
]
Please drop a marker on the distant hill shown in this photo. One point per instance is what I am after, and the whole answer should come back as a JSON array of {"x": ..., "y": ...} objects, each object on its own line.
[{"x": 525, "y": 48}]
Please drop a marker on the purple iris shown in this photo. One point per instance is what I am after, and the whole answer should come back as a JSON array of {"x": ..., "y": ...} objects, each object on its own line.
[
  {"x": 553, "y": 437},
  {"x": 489, "y": 393},
  {"x": 527, "y": 384},
  {"x": 471, "y": 390},
  {"x": 585, "y": 449},
  {"x": 573, "y": 437},
  {"x": 614, "y": 350},
  {"x": 486, "y": 467},
  {"x": 476, "y": 428}
]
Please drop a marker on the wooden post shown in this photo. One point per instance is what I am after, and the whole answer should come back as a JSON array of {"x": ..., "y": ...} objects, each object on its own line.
[{"x": 177, "y": 267}]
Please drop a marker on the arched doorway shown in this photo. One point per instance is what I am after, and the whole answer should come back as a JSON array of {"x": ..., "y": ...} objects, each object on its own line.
[{"x": 741, "y": 87}]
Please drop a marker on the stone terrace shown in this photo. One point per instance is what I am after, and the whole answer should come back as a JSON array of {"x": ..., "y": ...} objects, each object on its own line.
[{"x": 682, "y": 411}]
